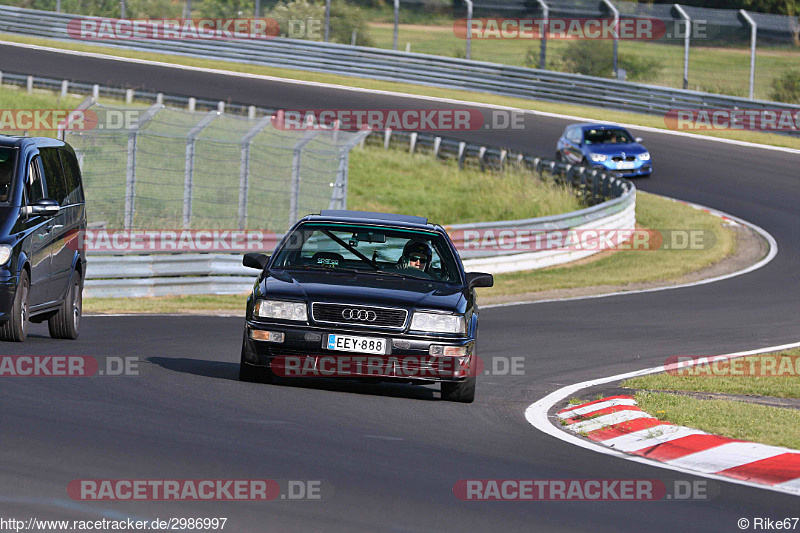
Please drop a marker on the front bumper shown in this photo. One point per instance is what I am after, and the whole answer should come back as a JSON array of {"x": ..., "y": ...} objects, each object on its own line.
[
  {"x": 304, "y": 353},
  {"x": 640, "y": 168}
]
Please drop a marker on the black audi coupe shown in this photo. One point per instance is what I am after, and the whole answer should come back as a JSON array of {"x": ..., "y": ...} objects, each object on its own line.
[{"x": 370, "y": 296}]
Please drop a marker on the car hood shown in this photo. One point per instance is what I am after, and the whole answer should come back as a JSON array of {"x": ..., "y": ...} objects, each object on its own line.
[
  {"x": 614, "y": 149},
  {"x": 346, "y": 287}
]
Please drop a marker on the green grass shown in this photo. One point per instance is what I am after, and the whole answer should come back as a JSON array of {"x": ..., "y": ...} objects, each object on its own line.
[
  {"x": 782, "y": 382},
  {"x": 631, "y": 266},
  {"x": 396, "y": 182},
  {"x": 737, "y": 420},
  {"x": 234, "y": 303},
  {"x": 592, "y": 113}
]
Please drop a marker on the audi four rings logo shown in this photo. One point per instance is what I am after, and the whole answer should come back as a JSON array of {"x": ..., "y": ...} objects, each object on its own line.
[{"x": 359, "y": 314}]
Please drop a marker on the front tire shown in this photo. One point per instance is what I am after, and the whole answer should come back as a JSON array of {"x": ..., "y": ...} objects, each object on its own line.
[
  {"x": 459, "y": 391},
  {"x": 15, "y": 329},
  {"x": 66, "y": 322}
]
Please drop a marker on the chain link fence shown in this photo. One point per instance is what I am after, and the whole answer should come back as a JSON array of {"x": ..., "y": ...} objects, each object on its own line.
[{"x": 163, "y": 168}]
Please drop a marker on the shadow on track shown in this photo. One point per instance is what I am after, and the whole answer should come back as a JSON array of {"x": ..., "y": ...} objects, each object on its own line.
[{"x": 230, "y": 371}]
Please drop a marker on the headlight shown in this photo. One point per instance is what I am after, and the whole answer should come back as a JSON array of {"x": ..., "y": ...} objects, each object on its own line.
[
  {"x": 437, "y": 323},
  {"x": 282, "y": 310},
  {"x": 645, "y": 156},
  {"x": 598, "y": 157},
  {"x": 5, "y": 254}
]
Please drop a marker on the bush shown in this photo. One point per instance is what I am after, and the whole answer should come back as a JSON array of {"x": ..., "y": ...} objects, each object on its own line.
[
  {"x": 786, "y": 87},
  {"x": 596, "y": 58},
  {"x": 344, "y": 19},
  {"x": 226, "y": 8}
]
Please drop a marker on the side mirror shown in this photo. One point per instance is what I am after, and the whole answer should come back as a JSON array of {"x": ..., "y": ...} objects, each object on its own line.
[
  {"x": 44, "y": 207},
  {"x": 479, "y": 279},
  {"x": 254, "y": 260},
  {"x": 638, "y": 139}
]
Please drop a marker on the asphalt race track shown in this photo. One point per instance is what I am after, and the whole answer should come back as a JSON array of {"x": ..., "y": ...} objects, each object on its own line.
[{"x": 392, "y": 453}]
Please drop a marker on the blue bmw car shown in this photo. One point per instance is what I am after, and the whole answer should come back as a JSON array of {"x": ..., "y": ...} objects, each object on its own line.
[{"x": 605, "y": 147}]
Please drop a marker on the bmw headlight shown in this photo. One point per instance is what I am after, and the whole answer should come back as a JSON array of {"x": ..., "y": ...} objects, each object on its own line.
[
  {"x": 645, "y": 156},
  {"x": 5, "y": 254},
  {"x": 438, "y": 323},
  {"x": 281, "y": 310},
  {"x": 598, "y": 157}
]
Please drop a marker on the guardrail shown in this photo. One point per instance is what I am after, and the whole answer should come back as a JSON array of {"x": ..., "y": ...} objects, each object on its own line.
[
  {"x": 392, "y": 65},
  {"x": 170, "y": 274}
]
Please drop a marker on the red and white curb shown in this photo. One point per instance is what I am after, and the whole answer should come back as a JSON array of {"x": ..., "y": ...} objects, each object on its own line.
[
  {"x": 619, "y": 423},
  {"x": 538, "y": 415}
]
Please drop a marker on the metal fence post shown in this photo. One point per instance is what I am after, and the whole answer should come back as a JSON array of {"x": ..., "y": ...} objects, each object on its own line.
[
  {"x": 615, "y": 11},
  {"x": 396, "y": 23},
  {"x": 294, "y": 198},
  {"x": 191, "y": 142},
  {"x": 469, "y": 28},
  {"x": 753, "y": 35},
  {"x": 686, "y": 43},
  {"x": 244, "y": 168},
  {"x": 122, "y": 9},
  {"x": 546, "y": 28},
  {"x": 327, "y": 20},
  {"x": 130, "y": 170}
]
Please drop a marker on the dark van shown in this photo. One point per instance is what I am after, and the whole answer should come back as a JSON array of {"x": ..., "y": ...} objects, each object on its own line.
[{"x": 42, "y": 214}]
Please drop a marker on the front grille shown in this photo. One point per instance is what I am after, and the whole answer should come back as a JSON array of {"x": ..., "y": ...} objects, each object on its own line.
[
  {"x": 359, "y": 315},
  {"x": 618, "y": 158}
]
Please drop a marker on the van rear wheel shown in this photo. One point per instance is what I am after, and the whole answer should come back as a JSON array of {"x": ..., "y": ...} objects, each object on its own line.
[{"x": 66, "y": 322}]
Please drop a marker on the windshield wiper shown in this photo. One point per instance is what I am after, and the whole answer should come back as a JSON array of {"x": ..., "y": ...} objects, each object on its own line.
[{"x": 351, "y": 249}]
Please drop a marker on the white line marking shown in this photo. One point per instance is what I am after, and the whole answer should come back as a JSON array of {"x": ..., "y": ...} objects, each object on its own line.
[
  {"x": 728, "y": 455},
  {"x": 596, "y": 407},
  {"x": 773, "y": 251},
  {"x": 98, "y": 55},
  {"x": 646, "y": 438},
  {"x": 793, "y": 485},
  {"x": 607, "y": 420},
  {"x": 536, "y": 415}
]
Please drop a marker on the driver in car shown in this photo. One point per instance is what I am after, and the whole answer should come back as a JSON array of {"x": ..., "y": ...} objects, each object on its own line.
[{"x": 416, "y": 254}]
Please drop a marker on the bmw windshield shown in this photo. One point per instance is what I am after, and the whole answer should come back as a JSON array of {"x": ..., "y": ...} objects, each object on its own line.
[
  {"x": 608, "y": 136},
  {"x": 369, "y": 249}
]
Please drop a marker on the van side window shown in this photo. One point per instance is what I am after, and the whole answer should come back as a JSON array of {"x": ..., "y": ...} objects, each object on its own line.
[
  {"x": 7, "y": 164},
  {"x": 72, "y": 173},
  {"x": 34, "y": 186},
  {"x": 54, "y": 175}
]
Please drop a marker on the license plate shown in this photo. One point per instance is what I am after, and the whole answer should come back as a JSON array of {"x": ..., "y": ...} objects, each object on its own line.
[
  {"x": 350, "y": 343},
  {"x": 625, "y": 164}
]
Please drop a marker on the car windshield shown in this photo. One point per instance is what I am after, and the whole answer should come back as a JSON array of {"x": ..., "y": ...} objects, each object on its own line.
[
  {"x": 371, "y": 249},
  {"x": 7, "y": 166},
  {"x": 607, "y": 136}
]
